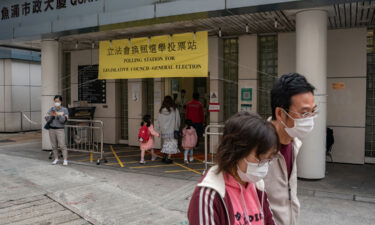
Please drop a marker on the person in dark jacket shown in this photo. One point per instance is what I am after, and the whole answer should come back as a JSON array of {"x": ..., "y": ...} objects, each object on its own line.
[{"x": 232, "y": 192}]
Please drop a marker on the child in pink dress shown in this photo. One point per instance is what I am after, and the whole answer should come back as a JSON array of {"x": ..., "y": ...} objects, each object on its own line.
[
  {"x": 189, "y": 141},
  {"x": 148, "y": 145}
]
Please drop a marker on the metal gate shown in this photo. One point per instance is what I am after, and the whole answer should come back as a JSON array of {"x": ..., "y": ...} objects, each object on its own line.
[{"x": 85, "y": 136}]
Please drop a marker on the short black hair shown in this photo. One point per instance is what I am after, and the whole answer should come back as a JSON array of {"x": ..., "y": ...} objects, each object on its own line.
[
  {"x": 146, "y": 120},
  {"x": 189, "y": 123},
  {"x": 285, "y": 88},
  {"x": 243, "y": 133},
  {"x": 196, "y": 95},
  {"x": 58, "y": 97}
]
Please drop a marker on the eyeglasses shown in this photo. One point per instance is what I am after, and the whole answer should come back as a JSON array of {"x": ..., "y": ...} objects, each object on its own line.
[
  {"x": 315, "y": 112},
  {"x": 264, "y": 161}
]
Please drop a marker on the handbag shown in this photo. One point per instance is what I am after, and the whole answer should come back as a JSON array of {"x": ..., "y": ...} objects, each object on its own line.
[
  {"x": 177, "y": 134},
  {"x": 48, "y": 124}
]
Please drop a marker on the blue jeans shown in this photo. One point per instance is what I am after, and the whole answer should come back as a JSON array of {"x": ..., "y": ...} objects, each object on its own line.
[{"x": 187, "y": 151}]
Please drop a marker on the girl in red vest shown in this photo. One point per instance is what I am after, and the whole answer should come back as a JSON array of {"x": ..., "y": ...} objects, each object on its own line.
[{"x": 146, "y": 145}]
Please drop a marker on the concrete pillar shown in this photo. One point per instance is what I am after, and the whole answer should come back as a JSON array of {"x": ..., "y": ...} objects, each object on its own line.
[
  {"x": 136, "y": 109},
  {"x": 248, "y": 69},
  {"x": 167, "y": 87},
  {"x": 215, "y": 68},
  {"x": 311, "y": 61},
  {"x": 158, "y": 99},
  {"x": 50, "y": 81}
]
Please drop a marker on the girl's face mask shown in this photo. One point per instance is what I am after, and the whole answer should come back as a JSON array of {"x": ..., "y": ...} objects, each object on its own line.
[{"x": 254, "y": 172}]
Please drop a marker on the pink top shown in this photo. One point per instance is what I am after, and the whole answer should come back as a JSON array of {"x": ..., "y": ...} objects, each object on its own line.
[
  {"x": 150, "y": 143},
  {"x": 189, "y": 138},
  {"x": 244, "y": 198}
]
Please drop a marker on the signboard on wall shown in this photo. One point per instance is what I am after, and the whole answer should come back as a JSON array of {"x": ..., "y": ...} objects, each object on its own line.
[
  {"x": 214, "y": 107},
  {"x": 338, "y": 86},
  {"x": 178, "y": 55},
  {"x": 246, "y": 107},
  {"x": 246, "y": 94},
  {"x": 214, "y": 97},
  {"x": 91, "y": 89}
]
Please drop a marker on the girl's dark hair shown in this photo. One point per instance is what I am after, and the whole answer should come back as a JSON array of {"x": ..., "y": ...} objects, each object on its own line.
[
  {"x": 58, "y": 97},
  {"x": 243, "y": 133},
  {"x": 168, "y": 103},
  {"x": 146, "y": 120},
  {"x": 188, "y": 123}
]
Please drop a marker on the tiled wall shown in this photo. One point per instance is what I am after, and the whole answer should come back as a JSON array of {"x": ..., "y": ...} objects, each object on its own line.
[{"x": 20, "y": 89}]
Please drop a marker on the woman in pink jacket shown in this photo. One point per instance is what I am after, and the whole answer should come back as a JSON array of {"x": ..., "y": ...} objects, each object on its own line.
[
  {"x": 232, "y": 192},
  {"x": 149, "y": 144},
  {"x": 189, "y": 141}
]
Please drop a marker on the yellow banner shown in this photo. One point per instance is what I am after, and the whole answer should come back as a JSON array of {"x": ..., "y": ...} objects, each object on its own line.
[{"x": 178, "y": 55}]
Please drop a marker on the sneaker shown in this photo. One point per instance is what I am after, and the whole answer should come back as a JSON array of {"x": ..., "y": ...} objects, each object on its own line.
[
  {"x": 191, "y": 159},
  {"x": 186, "y": 161},
  {"x": 65, "y": 163},
  {"x": 154, "y": 157},
  {"x": 55, "y": 162},
  {"x": 142, "y": 162}
]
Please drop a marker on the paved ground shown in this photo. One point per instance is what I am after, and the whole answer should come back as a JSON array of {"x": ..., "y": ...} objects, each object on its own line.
[
  {"x": 127, "y": 159},
  {"x": 148, "y": 195},
  {"x": 37, "y": 210}
]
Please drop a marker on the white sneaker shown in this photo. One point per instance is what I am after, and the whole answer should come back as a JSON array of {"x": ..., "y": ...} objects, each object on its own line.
[
  {"x": 55, "y": 162},
  {"x": 65, "y": 163},
  {"x": 191, "y": 159}
]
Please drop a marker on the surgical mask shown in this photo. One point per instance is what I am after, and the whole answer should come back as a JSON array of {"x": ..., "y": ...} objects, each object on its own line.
[
  {"x": 254, "y": 172},
  {"x": 57, "y": 104},
  {"x": 302, "y": 127}
]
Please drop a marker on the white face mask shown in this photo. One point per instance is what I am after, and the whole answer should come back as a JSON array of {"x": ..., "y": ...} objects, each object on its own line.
[
  {"x": 302, "y": 126},
  {"x": 254, "y": 172},
  {"x": 57, "y": 104}
]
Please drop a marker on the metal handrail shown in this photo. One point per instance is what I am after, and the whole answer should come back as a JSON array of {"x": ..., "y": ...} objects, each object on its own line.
[{"x": 206, "y": 134}]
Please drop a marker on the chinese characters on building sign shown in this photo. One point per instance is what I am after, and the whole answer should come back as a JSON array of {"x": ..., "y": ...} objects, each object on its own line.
[
  {"x": 153, "y": 48},
  {"x": 178, "y": 55},
  {"x": 37, "y": 6}
]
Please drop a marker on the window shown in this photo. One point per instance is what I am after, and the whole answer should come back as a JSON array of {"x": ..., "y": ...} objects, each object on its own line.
[
  {"x": 91, "y": 89},
  {"x": 267, "y": 74},
  {"x": 230, "y": 105},
  {"x": 370, "y": 97}
]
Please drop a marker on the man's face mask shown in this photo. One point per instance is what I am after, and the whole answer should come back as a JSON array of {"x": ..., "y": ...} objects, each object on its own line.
[{"x": 302, "y": 126}]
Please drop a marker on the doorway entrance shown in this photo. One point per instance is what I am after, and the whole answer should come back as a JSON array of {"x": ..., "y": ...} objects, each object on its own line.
[{"x": 174, "y": 86}]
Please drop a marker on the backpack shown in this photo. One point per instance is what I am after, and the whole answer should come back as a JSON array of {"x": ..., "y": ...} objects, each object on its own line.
[{"x": 144, "y": 134}]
